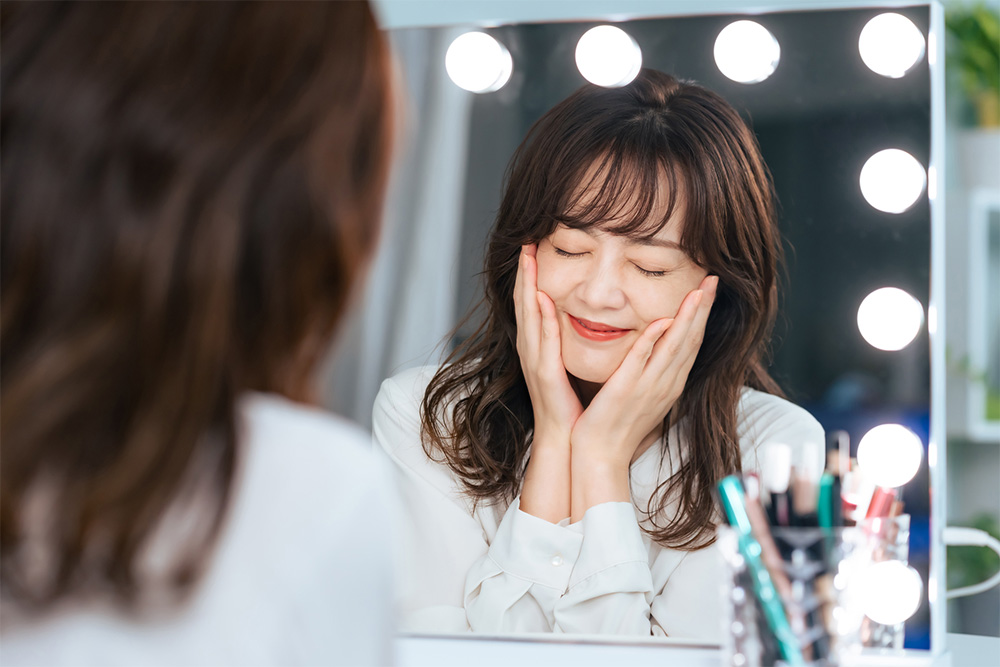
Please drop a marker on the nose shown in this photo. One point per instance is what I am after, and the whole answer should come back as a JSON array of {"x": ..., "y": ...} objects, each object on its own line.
[{"x": 601, "y": 288}]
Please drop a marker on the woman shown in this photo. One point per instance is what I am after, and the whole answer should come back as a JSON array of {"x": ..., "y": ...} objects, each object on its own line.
[
  {"x": 191, "y": 191},
  {"x": 558, "y": 469}
]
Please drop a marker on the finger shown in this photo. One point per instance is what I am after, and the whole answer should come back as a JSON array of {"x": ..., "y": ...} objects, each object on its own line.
[
  {"x": 518, "y": 280},
  {"x": 634, "y": 362},
  {"x": 550, "y": 347},
  {"x": 526, "y": 310},
  {"x": 672, "y": 346},
  {"x": 529, "y": 293},
  {"x": 696, "y": 334},
  {"x": 528, "y": 250},
  {"x": 696, "y": 331},
  {"x": 524, "y": 300},
  {"x": 550, "y": 323}
]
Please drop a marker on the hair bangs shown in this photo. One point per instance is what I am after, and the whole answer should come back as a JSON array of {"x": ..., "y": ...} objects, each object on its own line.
[{"x": 627, "y": 191}]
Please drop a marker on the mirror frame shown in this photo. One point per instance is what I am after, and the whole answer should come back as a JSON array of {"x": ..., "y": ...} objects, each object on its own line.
[{"x": 396, "y": 14}]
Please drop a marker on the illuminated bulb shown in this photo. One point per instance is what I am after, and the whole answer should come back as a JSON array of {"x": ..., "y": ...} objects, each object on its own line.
[
  {"x": 478, "y": 63},
  {"x": 892, "y": 180},
  {"x": 746, "y": 52},
  {"x": 608, "y": 56},
  {"x": 890, "y": 318},
  {"x": 889, "y": 591},
  {"x": 890, "y": 45},
  {"x": 889, "y": 455}
]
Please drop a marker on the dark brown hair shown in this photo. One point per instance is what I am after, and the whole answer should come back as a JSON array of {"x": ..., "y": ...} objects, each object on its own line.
[
  {"x": 189, "y": 192},
  {"x": 476, "y": 412}
]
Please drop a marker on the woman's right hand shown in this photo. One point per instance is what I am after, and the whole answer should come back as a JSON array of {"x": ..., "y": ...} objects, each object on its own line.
[
  {"x": 546, "y": 490},
  {"x": 539, "y": 346}
]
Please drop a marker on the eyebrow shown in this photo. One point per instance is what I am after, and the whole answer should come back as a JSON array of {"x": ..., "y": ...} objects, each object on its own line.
[
  {"x": 661, "y": 243},
  {"x": 648, "y": 241},
  {"x": 652, "y": 241}
]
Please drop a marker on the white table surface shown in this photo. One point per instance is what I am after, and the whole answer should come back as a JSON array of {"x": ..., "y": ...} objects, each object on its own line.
[{"x": 463, "y": 651}]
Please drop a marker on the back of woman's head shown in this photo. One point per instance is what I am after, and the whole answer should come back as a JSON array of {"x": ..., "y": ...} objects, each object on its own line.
[{"x": 189, "y": 192}]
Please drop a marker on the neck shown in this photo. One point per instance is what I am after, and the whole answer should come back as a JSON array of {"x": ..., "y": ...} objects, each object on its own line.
[{"x": 585, "y": 390}]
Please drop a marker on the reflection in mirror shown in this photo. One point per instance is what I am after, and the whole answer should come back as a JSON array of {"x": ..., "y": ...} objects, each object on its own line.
[{"x": 818, "y": 118}]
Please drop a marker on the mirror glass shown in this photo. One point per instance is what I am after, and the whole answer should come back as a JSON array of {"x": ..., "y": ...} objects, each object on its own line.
[{"x": 818, "y": 119}]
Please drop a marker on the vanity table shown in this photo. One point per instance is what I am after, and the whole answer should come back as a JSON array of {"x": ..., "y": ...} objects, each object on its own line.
[{"x": 452, "y": 651}]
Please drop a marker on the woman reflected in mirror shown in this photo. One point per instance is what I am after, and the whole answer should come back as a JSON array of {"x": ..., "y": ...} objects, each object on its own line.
[{"x": 559, "y": 467}]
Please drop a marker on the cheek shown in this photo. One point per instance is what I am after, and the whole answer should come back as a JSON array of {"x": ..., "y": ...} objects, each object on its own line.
[
  {"x": 665, "y": 300},
  {"x": 661, "y": 303},
  {"x": 551, "y": 278}
]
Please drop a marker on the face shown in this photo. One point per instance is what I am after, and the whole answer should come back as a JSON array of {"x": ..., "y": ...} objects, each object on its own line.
[{"x": 607, "y": 289}]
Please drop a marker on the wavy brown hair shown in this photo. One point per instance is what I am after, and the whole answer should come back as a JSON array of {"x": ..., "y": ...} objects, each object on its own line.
[
  {"x": 189, "y": 193},
  {"x": 476, "y": 413}
]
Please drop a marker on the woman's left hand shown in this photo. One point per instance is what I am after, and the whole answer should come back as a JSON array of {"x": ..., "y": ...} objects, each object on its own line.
[{"x": 635, "y": 399}]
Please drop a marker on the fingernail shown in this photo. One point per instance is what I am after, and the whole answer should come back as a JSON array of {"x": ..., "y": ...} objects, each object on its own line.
[
  {"x": 714, "y": 282},
  {"x": 698, "y": 295}
]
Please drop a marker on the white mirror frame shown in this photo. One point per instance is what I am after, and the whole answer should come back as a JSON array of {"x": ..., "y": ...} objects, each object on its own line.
[{"x": 395, "y": 14}]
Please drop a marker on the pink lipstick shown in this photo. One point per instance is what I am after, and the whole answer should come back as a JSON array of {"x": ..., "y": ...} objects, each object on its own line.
[{"x": 595, "y": 330}]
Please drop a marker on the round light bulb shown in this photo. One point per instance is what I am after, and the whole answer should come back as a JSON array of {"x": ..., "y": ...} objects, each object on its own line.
[
  {"x": 608, "y": 56},
  {"x": 889, "y": 455},
  {"x": 478, "y": 63},
  {"x": 890, "y": 45},
  {"x": 890, "y": 318},
  {"x": 892, "y": 180},
  {"x": 746, "y": 52},
  {"x": 889, "y": 591}
]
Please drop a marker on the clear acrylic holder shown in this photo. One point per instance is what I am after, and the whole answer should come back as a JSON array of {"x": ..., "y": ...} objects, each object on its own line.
[{"x": 823, "y": 593}]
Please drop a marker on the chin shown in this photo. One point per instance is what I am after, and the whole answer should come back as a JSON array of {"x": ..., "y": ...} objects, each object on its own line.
[{"x": 593, "y": 370}]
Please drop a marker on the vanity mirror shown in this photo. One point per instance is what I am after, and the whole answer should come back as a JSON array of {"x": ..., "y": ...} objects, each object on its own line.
[{"x": 819, "y": 117}]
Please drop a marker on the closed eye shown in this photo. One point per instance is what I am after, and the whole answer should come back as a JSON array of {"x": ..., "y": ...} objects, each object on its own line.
[
  {"x": 651, "y": 274},
  {"x": 565, "y": 253}
]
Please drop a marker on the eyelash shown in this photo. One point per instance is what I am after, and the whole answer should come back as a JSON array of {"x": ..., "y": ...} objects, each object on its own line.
[{"x": 651, "y": 274}]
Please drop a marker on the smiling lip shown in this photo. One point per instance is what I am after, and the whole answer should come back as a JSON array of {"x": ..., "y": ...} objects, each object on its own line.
[{"x": 595, "y": 330}]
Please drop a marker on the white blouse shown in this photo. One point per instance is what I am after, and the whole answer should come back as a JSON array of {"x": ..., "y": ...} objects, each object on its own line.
[
  {"x": 496, "y": 569},
  {"x": 302, "y": 572}
]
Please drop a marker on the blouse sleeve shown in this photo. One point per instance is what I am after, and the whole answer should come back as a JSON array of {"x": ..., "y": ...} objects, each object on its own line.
[
  {"x": 765, "y": 419},
  {"x": 439, "y": 540},
  {"x": 611, "y": 588},
  {"x": 589, "y": 577}
]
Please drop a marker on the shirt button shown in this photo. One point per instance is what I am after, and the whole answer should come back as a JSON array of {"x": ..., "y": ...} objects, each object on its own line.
[{"x": 557, "y": 560}]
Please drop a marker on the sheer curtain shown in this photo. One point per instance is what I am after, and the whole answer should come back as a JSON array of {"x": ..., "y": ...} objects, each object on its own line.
[{"x": 406, "y": 308}]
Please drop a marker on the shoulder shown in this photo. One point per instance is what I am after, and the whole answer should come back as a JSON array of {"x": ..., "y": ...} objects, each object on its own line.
[
  {"x": 308, "y": 477},
  {"x": 396, "y": 414},
  {"x": 396, "y": 429},
  {"x": 405, "y": 388},
  {"x": 765, "y": 418},
  {"x": 305, "y": 443},
  {"x": 304, "y": 427}
]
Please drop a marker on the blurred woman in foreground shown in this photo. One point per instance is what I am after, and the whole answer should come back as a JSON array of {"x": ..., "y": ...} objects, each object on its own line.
[{"x": 190, "y": 193}]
